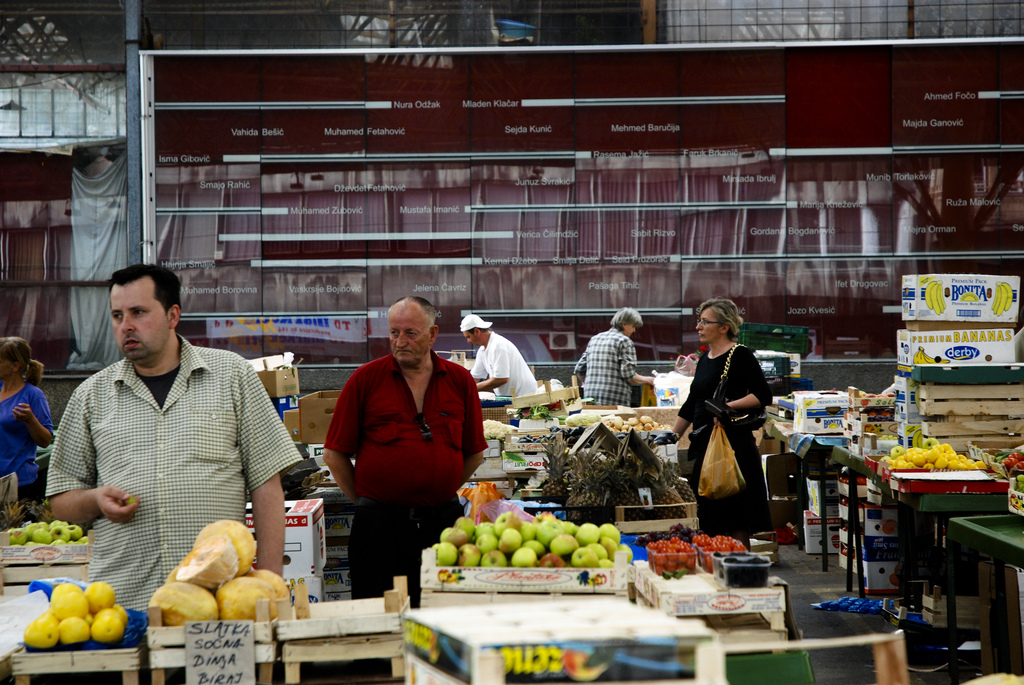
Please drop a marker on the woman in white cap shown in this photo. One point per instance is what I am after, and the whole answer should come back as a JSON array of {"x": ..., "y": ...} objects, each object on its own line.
[{"x": 499, "y": 367}]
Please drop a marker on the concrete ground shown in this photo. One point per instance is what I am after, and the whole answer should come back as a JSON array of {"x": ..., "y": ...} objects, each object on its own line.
[{"x": 849, "y": 665}]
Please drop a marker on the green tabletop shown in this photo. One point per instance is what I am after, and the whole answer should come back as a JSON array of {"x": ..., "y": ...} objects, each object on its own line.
[{"x": 1001, "y": 537}]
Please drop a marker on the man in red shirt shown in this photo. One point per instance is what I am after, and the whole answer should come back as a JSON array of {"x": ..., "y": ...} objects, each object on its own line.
[{"x": 413, "y": 423}]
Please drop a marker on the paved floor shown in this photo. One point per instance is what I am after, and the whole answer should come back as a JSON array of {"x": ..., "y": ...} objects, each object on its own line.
[{"x": 853, "y": 665}]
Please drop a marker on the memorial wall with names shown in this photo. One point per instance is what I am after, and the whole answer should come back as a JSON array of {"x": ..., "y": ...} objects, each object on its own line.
[{"x": 299, "y": 195}]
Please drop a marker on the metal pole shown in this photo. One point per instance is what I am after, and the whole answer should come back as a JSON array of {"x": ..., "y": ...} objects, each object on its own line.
[{"x": 133, "y": 126}]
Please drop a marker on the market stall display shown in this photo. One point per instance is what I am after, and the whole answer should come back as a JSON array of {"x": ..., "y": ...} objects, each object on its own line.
[
  {"x": 45, "y": 558},
  {"x": 521, "y": 555}
]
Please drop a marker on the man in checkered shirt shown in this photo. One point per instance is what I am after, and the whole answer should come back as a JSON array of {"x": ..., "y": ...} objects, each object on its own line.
[
  {"x": 609, "y": 362},
  {"x": 153, "y": 448}
]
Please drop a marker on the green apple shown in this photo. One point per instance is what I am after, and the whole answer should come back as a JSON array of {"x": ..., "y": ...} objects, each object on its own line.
[
  {"x": 605, "y": 563},
  {"x": 528, "y": 530},
  {"x": 447, "y": 553},
  {"x": 584, "y": 557},
  {"x": 564, "y": 545},
  {"x": 466, "y": 524},
  {"x": 486, "y": 542},
  {"x": 510, "y": 541},
  {"x": 608, "y": 530},
  {"x": 509, "y": 519},
  {"x": 548, "y": 531},
  {"x": 897, "y": 451},
  {"x": 538, "y": 548},
  {"x": 469, "y": 555},
  {"x": 485, "y": 527},
  {"x": 588, "y": 534},
  {"x": 42, "y": 536},
  {"x": 545, "y": 516},
  {"x": 524, "y": 557},
  {"x": 930, "y": 443},
  {"x": 609, "y": 545},
  {"x": 551, "y": 560},
  {"x": 569, "y": 527},
  {"x": 58, "y": 541},
  {"x": 32, "y": 527},
  {"x": 18, "y": 536},
  {"x": 456, "y": 536},
  {"x": 60, "y": 532},
  {"x": 598, "y": 549},
  {"x": 493, "y": 558},
  {"x": 57, "y": 522},
  {"x": 627, "y": 550},
  {"x": 76, "y": 532}
]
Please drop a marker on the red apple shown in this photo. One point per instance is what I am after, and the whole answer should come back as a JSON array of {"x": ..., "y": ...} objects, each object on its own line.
[{"x": 551, "y": 560}]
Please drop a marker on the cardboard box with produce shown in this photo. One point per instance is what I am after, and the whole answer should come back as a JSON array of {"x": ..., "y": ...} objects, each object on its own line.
[{"x": 961, "y": 297}]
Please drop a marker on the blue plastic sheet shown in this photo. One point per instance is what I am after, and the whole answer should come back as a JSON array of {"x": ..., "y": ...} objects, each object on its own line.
[{"x": 852, "y": 604}]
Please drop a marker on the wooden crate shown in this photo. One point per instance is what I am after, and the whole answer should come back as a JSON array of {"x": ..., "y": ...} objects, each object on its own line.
[
  {"x": 700, "y": 594},
  {"x": 765, "y": 544},
  {"x": 42, "y": 555},
  {"x": 126, "y": 661},
  {"x": 14, "y": 580},
  {"x": 7, "y": 662},
  {"x": 167, "y": 644},
  {"x": 934, "y": 609},
  {"x": 655, "y": 524},
  {"x": 506, "y": 579},
  {"x": 971, "y": 426},
  {"x": 344, "y": 630},
  {"x": 992, "y": 400},
  {"x": 547, "y": 396}
]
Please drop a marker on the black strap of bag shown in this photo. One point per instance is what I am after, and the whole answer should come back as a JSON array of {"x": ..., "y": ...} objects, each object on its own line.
[{"x": 749, "y": 419}]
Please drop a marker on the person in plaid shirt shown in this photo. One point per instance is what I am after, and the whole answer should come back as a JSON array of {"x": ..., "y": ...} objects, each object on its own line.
[
  {"x": 155, "y": 447},
  {"x": 608, "y": 365}
]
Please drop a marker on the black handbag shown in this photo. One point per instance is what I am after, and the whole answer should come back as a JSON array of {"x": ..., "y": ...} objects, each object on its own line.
[{"x": 749, "y": 419}]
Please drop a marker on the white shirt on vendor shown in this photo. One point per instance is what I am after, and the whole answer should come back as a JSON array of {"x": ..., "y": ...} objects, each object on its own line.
[{"x": 501, "y": 359}]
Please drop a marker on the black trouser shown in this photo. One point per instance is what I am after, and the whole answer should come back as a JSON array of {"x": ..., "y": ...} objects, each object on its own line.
[{"x": 388, "y": 541}]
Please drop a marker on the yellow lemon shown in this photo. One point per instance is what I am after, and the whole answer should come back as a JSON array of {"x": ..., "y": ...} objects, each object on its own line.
[
  {"x": 61, "y": 589},
  {"x": 43, "y": 632},
  {"x": 72, "y": 630},
  {"x": 919, "y": 460},
  {"x": 928, "y": 466},
  {"x": 107, "y": 626},
  {"x": 121, "y": 610},
  {"x": 941, "y": 463},
  {"x": 100, "y": 596},
  {"x": 69, "y": 604}
]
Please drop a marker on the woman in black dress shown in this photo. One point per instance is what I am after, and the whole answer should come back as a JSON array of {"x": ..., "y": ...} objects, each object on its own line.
[{"x": 746, "y": 388}]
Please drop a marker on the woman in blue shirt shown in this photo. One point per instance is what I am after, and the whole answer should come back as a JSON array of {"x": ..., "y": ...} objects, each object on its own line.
[{"x": 25, "y": 422}]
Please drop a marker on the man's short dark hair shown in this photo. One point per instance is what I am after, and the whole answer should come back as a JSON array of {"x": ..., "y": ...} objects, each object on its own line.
[{"x": 168, "y": 287}]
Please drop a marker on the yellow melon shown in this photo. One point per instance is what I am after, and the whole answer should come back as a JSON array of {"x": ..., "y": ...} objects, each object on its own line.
[
  {"x": 210, "y": 564},
  {"x": 276, "y": 582},
  {"x": 241, "y": 538},
  {"x": 181, "y": 602},
  {"x": 236, "y": 599}
]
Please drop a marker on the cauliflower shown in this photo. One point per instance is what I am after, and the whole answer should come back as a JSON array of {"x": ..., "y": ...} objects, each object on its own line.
[
  {"x": 582, "y": 419},
  {"x": 496, "y": 430}
]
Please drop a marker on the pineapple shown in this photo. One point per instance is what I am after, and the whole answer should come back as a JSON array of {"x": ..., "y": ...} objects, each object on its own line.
[
  {"x": 664, "y": 492},
  {"x": 557, "y": 458},
  {"x": 591, "y": 469},
  {"x": 12, "y": 515},
  {"x": 41, "y": 511}
]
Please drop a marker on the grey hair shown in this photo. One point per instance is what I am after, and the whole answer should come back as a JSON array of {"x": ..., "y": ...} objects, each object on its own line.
[
  {"x": 428, "y": 309},
  {"x": 627, "y": 315}
]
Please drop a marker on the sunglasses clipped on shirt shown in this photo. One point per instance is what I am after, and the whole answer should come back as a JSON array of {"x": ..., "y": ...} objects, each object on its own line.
[{"x": 424, "y": 428}]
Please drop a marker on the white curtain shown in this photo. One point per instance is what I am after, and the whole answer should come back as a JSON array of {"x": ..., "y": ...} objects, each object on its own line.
[{"x": 98, "y": 248}]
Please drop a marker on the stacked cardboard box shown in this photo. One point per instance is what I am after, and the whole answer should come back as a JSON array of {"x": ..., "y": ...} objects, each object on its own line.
[
  {"x": 955, "y": 320},
  {"x": 868, "y": 418},
  {"x": 303, "y": 546},
  {"x": 339, "y": 510},
  {"x": 281, "y": 381}
]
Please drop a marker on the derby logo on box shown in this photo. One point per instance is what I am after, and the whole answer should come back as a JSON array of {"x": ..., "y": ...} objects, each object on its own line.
[{"x": 962, "y": 353}]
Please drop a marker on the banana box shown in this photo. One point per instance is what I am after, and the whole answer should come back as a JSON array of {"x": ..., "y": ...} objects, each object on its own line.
[
  {"x": 819, "y": 413},
  {"x": 906, "y": 400},
  {"x": 954, "y": 346},
  {"x": 910, "y": 434},
  {"x": 961, "y": 297}
]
